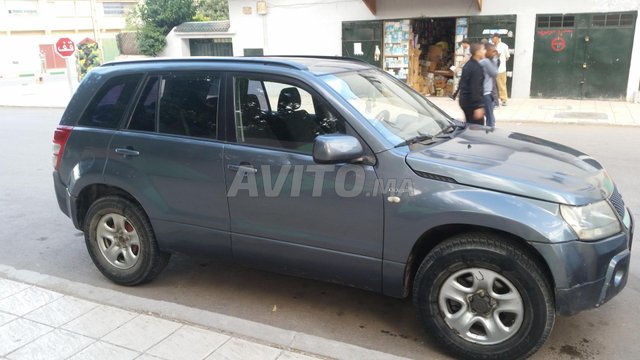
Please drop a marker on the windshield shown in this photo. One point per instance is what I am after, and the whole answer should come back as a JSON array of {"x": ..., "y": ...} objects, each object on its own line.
[{"x": 395, "y": 111}]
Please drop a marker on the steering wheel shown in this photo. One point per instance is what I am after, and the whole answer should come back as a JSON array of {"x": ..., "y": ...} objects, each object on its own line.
[{"x": 383, "y": 115}]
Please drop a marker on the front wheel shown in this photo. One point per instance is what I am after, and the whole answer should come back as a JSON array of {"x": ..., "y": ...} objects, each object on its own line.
[
  {"x": 121, "y": 241},
  {"x": 483, "y": 297}
]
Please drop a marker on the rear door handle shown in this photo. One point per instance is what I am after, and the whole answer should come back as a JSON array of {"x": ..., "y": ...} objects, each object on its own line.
[
  {"x": 247, "y": 169},
  {"x": 127, "y": 152}
]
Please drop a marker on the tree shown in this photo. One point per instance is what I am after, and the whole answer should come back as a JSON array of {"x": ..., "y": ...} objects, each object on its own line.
[
  {"x": 154, "y": 19},
  {"x": 212, "y": 10}
]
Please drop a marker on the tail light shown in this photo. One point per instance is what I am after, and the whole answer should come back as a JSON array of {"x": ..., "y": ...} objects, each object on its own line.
[{"x": 60, "y": 137}]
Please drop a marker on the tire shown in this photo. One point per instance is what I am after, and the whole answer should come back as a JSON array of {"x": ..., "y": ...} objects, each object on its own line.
[
  {"x": 121, "y": 242},
  {"x": 509, "y": 319}
]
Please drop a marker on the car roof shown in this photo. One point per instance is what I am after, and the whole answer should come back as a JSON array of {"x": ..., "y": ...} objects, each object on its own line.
[{"x": 317, "y": 65}]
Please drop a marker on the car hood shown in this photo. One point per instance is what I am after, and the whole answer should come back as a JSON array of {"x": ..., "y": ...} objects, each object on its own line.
[{"x": 514, "y": 163}]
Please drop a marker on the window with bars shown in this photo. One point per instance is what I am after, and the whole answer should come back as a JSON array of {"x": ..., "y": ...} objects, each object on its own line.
[
  {"x": 556, "y": 21},
  {"x": 612, "y": 20}
]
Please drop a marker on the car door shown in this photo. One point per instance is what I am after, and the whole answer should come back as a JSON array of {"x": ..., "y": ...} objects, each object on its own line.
[
  {"x": 169, "y": 158},
  {"x": 288, "y": 213}
]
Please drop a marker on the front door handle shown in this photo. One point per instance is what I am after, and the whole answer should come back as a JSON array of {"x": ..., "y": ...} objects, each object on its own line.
[
  {"x": 126, "y": 152},
  {"x": 245, "y": 168}
]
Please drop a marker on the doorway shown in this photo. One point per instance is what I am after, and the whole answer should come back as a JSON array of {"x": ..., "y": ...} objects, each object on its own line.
[
  {"x": 211, "y": 47},
  {"x": 583, "y": 56}
]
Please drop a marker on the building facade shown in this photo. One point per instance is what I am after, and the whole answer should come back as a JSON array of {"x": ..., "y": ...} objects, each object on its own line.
[
  {"x": 29, "y": 28},
  {"x": 573, "y": 49}
]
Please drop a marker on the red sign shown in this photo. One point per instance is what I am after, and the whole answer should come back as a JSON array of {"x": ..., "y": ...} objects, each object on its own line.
[
  {"x": 65, "y": 47},
  {"x": 558, "y": 44}
]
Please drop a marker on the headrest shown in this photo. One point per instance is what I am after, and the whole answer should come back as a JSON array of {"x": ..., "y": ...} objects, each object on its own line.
[
  {"x": 251, "y": 101},
  {"x": 289, "y": 100}
]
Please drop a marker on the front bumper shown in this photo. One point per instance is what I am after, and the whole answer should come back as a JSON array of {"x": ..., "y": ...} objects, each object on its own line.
[{"x": 588, "y": 274}]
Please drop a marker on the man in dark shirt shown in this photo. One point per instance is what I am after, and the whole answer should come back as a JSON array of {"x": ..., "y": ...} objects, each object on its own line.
[{"x": 472, "y": 88}]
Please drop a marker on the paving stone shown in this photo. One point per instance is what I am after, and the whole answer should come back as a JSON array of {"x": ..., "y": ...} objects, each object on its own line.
[
  {"x": 142, "y": 332},
  {"x": 5, "y": 318},
  {"x": 237, "y": 349},
  {"x": 28, "y": 300},
  {"x": 8, "y": 288},
  {"x": 99, "y": 321},
  {"x": 18, "y": 333},
  {"x": 147, "y": 357},
  {"x": 56, "y": 345},
  {"x": 104, "y": 351},
  {"x": 188, "y": 343},
  {"x": 61, "y": 311}
]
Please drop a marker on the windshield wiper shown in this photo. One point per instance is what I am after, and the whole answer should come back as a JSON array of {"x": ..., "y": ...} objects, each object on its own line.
[
  {"x": 449, "y": 129},
  {"x": 415, "y": 139}
]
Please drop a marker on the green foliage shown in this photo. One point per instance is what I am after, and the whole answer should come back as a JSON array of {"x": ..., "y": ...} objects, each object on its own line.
[
  {"x": 154, "y": 19},
  {"x": 213, "y": 9},
  {"x": 151, "y": 40}
]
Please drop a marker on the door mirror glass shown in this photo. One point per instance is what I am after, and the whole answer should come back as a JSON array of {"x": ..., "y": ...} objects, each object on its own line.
[{"x": 336, "y": 148}]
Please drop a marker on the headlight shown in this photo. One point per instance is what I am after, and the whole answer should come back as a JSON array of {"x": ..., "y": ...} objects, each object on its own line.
[{"x": 591, "y": 222}]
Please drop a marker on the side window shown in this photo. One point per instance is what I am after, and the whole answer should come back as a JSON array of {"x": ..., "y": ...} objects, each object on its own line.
[
  {"x": 293, "y": 118},
  {"x": 144, "y": 115},
  {"x": 108, "y": 106},
  {"x": 189, "y": 105}
]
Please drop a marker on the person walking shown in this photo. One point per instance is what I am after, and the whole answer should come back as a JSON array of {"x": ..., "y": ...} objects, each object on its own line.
[
  {"x": 466, "y": 56},
  {"x": 472, "y": 86},
  {"x": 503, "y": 56},
  {"x": 490, "y": 66}
]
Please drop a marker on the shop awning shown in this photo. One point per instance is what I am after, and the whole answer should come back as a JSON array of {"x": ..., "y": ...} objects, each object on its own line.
[{"x": 371, "y": 4}]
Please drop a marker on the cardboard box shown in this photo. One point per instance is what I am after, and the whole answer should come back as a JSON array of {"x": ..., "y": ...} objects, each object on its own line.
[{"x": 440, "y": 83}]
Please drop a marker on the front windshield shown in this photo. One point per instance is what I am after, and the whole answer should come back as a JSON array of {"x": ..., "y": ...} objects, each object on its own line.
[{"x": 395, "y": 111}]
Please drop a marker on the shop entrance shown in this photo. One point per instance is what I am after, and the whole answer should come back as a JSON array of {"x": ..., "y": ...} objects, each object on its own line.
[{"x": 426, "y": 53}]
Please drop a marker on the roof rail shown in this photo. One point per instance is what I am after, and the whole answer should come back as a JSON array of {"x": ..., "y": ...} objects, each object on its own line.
[
  {"x": 317, "y": 57},
  {"x": 251, "y": 60}
]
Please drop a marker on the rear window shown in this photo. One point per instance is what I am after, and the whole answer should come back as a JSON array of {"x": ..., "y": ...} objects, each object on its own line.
[{"x": 108, "y": 106}]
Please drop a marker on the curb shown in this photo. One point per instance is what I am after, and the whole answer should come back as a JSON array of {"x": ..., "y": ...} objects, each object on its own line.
[{"x": 223, "y": 323}]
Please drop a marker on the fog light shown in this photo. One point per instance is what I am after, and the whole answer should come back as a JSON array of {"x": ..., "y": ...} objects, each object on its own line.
[{"x": 617, "y": 278}]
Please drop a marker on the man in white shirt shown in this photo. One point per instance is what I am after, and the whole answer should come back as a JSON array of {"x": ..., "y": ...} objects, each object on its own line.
[{"x": 503, "y": 56}]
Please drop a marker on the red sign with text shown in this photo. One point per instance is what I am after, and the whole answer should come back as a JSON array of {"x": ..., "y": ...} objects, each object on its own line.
[{"x": 65, "y": 47}]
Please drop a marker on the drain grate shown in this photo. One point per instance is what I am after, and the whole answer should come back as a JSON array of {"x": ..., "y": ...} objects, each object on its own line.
[{"x": 582, "y": 115}]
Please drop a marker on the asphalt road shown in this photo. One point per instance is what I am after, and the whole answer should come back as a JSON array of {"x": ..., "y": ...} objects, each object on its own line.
[{"x": 36, "y": 236}]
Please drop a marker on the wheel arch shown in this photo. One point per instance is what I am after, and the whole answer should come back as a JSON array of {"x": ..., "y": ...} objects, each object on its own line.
[
  {"x": 436, "y": 235},
  {"x": 91, "y": 193}
]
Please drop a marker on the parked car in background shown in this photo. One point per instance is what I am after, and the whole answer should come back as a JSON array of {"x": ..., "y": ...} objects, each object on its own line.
[{"x": 331, "y": 169}]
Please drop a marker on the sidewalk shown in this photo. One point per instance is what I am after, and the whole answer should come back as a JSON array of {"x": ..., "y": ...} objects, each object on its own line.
[
  {"x": 56, "y": 94},
  {"x": 44, "y": 317},
  {"x": 561, "y": 111},
  {"x": 36, "y": 323}
]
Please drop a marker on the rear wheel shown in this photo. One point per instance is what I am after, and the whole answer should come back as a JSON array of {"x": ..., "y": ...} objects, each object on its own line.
[
  {"x": 121, "y": 242},
  {"x": 483, "y": 297}
]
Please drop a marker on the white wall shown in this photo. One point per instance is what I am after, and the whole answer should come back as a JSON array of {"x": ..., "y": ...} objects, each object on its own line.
[
  {"x": 314, "y": 27},
  {"x": 176, "y": 46}
]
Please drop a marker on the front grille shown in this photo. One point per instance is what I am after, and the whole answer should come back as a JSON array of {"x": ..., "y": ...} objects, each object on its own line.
[{"x": 617, "y": 202}]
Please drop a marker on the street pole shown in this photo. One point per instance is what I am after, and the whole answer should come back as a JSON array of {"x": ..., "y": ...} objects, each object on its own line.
[
  {"x": 96, "y": 31},
  {"x": 70, "y": 62}
]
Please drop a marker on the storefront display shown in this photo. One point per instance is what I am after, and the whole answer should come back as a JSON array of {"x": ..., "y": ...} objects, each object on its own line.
[{"x": 396, "y": 48}]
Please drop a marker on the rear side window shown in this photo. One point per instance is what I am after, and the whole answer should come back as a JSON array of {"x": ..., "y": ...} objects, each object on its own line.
[
  {"x": 110, "y": 103},
  {"x": 189, "y": 105},
  {"x": 144, "y": 115}
]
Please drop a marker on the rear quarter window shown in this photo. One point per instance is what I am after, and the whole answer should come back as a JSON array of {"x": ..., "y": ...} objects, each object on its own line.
[{"x": 110, "y": 103}]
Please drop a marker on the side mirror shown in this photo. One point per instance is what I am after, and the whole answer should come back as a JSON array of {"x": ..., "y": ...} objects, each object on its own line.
[{"x": 336, "y": 148}]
